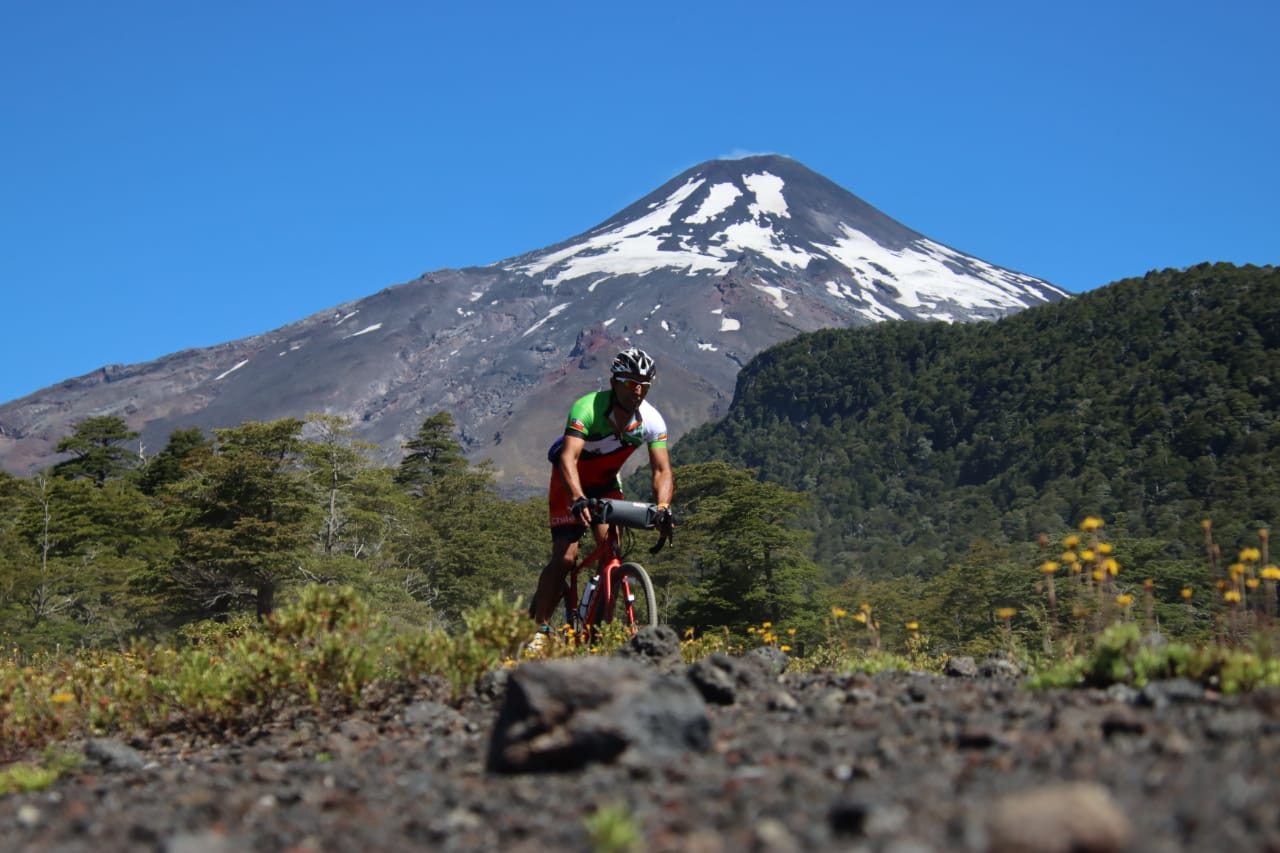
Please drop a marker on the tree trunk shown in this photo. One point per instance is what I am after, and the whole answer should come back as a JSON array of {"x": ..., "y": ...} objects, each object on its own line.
[{"x": 266, "y": 598}]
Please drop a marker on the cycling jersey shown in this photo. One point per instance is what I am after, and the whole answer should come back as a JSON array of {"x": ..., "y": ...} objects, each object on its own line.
[{"x": 606, "y": 448}]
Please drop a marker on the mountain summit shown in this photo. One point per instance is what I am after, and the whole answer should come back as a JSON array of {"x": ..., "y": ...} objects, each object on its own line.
[
  {"x": 786, "y": 221},
  {"x": 721, "y": 262}
]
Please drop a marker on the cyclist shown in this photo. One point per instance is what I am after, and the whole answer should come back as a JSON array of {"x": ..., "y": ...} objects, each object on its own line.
[{"x": 603, "y": 429}]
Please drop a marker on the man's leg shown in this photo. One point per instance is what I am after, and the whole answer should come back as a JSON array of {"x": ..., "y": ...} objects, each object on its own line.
[{"x": 564, "y": 551}]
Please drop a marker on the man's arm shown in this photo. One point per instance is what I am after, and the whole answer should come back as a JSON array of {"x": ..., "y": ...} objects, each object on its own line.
[{"x": 663, "y": 485}]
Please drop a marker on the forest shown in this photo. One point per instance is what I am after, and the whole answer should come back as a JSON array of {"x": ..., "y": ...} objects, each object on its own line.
[{"x": 897, "y": 483}]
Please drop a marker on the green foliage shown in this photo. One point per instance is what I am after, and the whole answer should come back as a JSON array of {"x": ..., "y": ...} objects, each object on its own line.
[
  {"x": 242, "y": 517},
  {"x": 612, "y": 828},
  {"x": 494, "y": 632},
  {"x": 434, "y": 454},
  {"x": 167, "y": 466},
  {"x": 97, "y": 451},
  {"x": 1123, "y": 655},
  {"x": 741, "y": 559},
  {"x": 23, "y": 776}
]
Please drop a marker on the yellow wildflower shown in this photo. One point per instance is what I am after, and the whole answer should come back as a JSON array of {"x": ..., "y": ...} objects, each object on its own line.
[
  {"x": 1186, "y": 593},
  {"x": 1250, "y": 555},
  {"x": 1071, "y": 542},
  {"x": 1104, "y": 547},
  {"x": 1068, "y": 556},
  {"x": 62, "y": 697},
  {"x": 1271, "y": 573},
  {"x": 1006, "y": 612},
  {"x": 1111, "y": 566},
  {"x": 1232, "y": 595},
  {"x": 860, "y": 617},
  {"x": 1252, "y": 583},
  {"x": 1048, "y": 567},
  {"x": 913, "y": 626},
  {"x": 1124, "y": 599},
  {"x": 839, "y": 612},
  {"x": 1092, "y": 523}
]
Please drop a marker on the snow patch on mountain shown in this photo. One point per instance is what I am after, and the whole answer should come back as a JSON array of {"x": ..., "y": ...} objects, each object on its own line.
[
  {"x": 224, "y": 374},
  {"x": 642, "y": 245},
  {"x": 366, "y": 330},
  {"x": 767, "y": 189},
  {"x": 928, "y": 273},
  {"x": 550, "y": 314},
  {"x": 719, "y": 198}
]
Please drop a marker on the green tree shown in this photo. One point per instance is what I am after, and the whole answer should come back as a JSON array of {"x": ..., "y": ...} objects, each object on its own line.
[
  {"x": 166, "y": 466},
  {"x": 433, "y": 454},
  {"x": 465, "y": 542},
  {"x": 753, "y": 563},
  {"x": 243, "y": 516},
  {"x": 336, "y": 461},
  {"x": 71, "y": 553},
  {"x": 96, "y": 448}
]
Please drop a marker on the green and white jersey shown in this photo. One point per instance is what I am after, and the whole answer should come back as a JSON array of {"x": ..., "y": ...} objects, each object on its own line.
[{"x": 606, "y": 447}]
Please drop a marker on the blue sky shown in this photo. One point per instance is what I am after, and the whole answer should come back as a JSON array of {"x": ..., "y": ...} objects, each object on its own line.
[{"x": 180, "y": 174}]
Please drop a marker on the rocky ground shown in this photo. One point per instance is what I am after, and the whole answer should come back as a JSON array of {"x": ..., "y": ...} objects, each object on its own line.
[{"x": 728, "y": 754}]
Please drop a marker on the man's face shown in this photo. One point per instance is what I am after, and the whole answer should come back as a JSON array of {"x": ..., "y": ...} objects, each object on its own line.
[{"x": 630, "y": 390}]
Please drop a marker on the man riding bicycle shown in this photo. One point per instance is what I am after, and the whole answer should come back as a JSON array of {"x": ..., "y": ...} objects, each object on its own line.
[{"x": 603, "y": 429}]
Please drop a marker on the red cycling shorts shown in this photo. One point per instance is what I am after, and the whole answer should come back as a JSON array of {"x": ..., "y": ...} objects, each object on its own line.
[{"x": 563, "y": 523}]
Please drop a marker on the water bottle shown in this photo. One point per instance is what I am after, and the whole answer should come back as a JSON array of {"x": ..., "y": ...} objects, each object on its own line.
[{"x": 588, "y": 598}]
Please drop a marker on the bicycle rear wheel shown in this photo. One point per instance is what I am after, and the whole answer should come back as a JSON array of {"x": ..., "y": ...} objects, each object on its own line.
[{"x": 634, "y": 603}]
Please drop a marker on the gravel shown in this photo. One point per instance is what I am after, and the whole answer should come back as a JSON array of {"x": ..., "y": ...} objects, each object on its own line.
[{"x": 727, "y": 754}]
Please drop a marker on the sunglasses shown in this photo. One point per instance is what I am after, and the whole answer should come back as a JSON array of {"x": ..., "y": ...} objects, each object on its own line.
[{"x": 635, "y": 384}]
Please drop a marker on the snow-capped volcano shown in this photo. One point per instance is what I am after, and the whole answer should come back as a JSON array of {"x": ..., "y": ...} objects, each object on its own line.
[
  {"x": 708, "y": 219},
  {"x": 721, "y": 262}
]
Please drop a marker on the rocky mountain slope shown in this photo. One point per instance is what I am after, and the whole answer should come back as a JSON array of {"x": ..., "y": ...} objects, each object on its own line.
[{"x": 723, "y": 261}]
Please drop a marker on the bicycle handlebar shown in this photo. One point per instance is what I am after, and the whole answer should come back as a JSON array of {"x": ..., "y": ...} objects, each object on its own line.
[{"x": 633, "y": 514}]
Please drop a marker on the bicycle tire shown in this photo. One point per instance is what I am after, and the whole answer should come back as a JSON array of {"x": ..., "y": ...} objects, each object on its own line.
[{"x": 644, "y": 606}]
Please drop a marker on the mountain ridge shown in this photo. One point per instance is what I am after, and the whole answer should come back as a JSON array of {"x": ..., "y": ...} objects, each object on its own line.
[{"x": 714, "y": 266}]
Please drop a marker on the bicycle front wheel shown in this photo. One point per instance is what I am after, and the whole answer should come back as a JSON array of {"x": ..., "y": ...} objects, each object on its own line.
[{"x": 634, "y": 603}]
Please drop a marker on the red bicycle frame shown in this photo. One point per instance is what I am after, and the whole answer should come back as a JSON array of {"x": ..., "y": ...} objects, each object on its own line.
[{"x": 608, "y": 555}]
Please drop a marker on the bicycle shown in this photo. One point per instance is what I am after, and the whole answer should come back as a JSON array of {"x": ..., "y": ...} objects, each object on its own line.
[{"x": 619, "y": 590}]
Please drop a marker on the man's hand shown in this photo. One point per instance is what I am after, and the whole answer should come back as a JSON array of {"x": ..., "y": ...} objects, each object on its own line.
[
  {"x": 665, "y": 521},
  {"x": 581, "y": 510}
]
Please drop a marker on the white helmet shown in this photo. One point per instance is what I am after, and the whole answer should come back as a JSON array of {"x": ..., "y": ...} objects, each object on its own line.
[{"x": 633, "y": 362}]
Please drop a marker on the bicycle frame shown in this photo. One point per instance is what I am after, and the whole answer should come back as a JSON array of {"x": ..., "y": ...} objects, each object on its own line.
[{"x": 608, "y": 557}]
